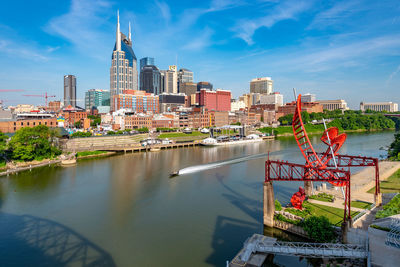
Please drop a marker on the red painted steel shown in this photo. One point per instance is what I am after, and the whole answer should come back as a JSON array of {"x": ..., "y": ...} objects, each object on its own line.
[{"x": 298, "y": 199}]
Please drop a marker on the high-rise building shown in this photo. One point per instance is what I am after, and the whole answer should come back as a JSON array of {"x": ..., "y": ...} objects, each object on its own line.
[
  {"x": 261, "y": 85},
  {"x": 171, "y": 80},
  {"x": 150, "y": 79},
  {"x": 123, "y": 71},
  {"x": 137, "y": 101},
  {"x": 184, "y": 76},
  {"x": 204, "y": 85},
  {"x": 188, "y": 88},
  {"x": 146, "y": 61},
  {"x": 97, "y": 98},
  {"x": 69, "y": 90}
]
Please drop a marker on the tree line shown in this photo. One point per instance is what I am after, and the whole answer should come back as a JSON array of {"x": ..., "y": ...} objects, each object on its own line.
[{"x": 36, "y": 143}]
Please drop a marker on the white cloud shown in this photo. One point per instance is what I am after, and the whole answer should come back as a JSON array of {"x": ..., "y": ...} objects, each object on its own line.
[
  {"x": 84, "y": 25},
  {"x": 287, "y": 10},
  {"x": 336, "y": 13},
  {"x": 393, "y": 74},
  {"x": 26, "y": 52},
  {"x": 200, "y": 42}
]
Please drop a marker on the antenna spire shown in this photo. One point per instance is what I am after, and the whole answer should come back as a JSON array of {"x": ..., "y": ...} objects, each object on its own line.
[
  {"x": 118, "y": 44},
  {"x": 130, "y": 35}
]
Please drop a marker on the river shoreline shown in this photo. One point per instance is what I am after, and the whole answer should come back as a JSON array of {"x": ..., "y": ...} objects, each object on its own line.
[{"x": 342, "y": 131}]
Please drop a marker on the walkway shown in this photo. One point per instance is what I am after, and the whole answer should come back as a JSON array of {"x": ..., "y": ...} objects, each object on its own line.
[{"x": 267, "y": 245}]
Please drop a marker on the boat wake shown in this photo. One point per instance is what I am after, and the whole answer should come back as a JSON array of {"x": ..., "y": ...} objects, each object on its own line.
[{"x": 203, "y": 167}]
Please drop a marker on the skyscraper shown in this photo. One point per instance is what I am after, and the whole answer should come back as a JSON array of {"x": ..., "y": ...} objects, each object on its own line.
[
  {"x": 204, "y": 85},
  {"x": 69, "y": 90},
  {"x": 171, "y": 80},
  {"x": 261, "y": 85},
  {"x": 146, "y": 61},
  {"x": 123, "y": 71},
  {"x": 184, "y": 76},
  {"x": 97, "y": 98},
  {"x": 150, "y": 79}
]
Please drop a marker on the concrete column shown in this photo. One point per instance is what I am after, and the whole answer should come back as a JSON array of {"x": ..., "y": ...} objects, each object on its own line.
[
  {"x": 345, "y": 228},
  {"x": 378, "y": 199},
  {"x": 308, "y": 187},
  {"x": 269, "y": 204}
]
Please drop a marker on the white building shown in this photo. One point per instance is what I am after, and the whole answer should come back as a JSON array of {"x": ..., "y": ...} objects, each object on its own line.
[
  {"x": 171, "y": 80},
  {"x": 261, "y": 85},
  {"x": 379, "y": 106},
  {"x": 333, "y": 104},
  {"x": 237, "y": 105},
  {"x": 307, "y": 98},
  {"x": 276, "y": 99}
]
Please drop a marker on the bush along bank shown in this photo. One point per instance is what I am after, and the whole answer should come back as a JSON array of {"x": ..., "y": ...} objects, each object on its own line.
[{"x": 350, "y": 121}]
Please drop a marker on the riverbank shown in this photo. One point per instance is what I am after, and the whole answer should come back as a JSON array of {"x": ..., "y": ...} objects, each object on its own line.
[
  {"x": 282, "y": 131},
  {"x": 24, "y": 166}
]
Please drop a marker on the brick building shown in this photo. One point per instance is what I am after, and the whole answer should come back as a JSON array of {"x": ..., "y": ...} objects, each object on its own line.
[
  {"x": 219, "y": 100},
  {"x": 72, "y": 115},
  {"x": 12, "y": 126},
  {"x": 138, "y": 121},
  {"x": 138, "y": 101}
]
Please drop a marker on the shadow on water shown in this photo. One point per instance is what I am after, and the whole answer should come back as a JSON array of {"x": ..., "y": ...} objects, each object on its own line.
[
  {"x": 31, "y": 241},
  {"x": 228, "y": 238}
]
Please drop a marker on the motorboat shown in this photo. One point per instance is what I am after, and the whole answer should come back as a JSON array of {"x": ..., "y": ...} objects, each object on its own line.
[{"x": 173, "y": 174}]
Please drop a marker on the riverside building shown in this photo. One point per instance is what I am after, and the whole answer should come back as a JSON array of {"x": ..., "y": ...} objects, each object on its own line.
[
  {"x": 379, "y": 106},
  {"x": 333, "y": 104},
  {"x": 123, "y": 71}
]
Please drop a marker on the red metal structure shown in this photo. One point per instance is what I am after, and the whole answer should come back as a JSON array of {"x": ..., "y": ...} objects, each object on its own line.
[
  {"x": 298, "y": 198},
  {"x": 46, "y": 96},
  {"x": 319, "y": 166}
]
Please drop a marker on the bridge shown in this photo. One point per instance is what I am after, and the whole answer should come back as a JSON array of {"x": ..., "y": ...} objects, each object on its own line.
[{"x": 257, "y": 247}]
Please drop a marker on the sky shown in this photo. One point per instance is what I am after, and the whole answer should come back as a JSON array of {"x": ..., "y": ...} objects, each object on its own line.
[{"x": 335, "y": 49}]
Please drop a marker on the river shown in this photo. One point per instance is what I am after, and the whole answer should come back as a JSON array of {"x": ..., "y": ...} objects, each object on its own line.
[{"x": 124, "y": 210}]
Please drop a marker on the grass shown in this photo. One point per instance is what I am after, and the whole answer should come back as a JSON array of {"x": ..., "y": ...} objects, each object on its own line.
[
  {"x": 334, "y": 215},
  {"x": 391, "y": 185},
  {"x": 174, "y": 135},
  {"x": 2, "y": 163},
  {"x": 360, "y": 204},
  {"x": 323, "y": 197},
  {"x": 89, "y": 153},
  {"x": 391, "y": 208}
]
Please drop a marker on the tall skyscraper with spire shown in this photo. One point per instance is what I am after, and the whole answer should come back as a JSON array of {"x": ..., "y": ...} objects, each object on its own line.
[{"x": 123, "y": 71}]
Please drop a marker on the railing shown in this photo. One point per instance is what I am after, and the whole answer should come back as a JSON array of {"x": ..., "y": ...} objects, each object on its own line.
[{"x": 260, "y": 243}]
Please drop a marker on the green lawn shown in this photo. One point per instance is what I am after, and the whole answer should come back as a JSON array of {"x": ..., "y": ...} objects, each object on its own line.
[
  {"x": 322, "y": 197},
  {"x": 360, "y": 204},
  {"x": 391, "y": 185},
  {"x": 174, "y": 135},
  {"x": 89, "y": 153},
  {"x": 334, "y": 215},
  {"x": 391, "y": 208}
]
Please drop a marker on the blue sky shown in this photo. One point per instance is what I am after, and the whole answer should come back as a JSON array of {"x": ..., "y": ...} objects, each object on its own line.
[{"x": 335, "y": 49}]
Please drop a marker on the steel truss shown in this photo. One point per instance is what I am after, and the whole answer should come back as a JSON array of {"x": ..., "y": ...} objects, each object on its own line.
[{"x": 276, "y": 170}]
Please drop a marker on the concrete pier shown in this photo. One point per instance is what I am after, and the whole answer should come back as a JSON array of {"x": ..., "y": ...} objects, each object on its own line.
[
  {"x": 269, "y": 204},
  {"x": 308, "y": 187}
]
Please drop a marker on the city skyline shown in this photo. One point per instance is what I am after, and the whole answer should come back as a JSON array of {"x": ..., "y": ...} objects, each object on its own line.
[{"x": 334, "y": 50}]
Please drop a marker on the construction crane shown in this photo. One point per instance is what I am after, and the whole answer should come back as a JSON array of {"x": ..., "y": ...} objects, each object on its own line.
[
  {"x": 46, "y": 96},
  {"x": 10, "y": 90}
]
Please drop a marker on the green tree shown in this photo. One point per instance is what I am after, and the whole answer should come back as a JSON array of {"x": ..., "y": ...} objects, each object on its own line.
[
  {"x": 78, "y": 124},
  {"x": 394, "y": 148},
  {"x": 319, "y": 229},
  {"x": 33, "y": 143},
  {"x": 143, "y": 130}
]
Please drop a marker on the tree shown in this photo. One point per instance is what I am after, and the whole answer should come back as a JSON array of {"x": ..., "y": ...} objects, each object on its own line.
[
  {"x": 33, "y": 143},
  {"x": 319, "y": 228},
  {"x": 3, "y": 144},
  {"x": 394, "y": 148},
  {"x": 143, "y": 130},
  {"x": 78, "y": 124}
]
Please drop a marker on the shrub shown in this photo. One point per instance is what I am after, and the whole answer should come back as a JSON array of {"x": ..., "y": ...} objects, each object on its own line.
[
  {"x": 319, "y": 229},
  {"x": 278, "y": 205},
  {"x": 391, "y": 208}
]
